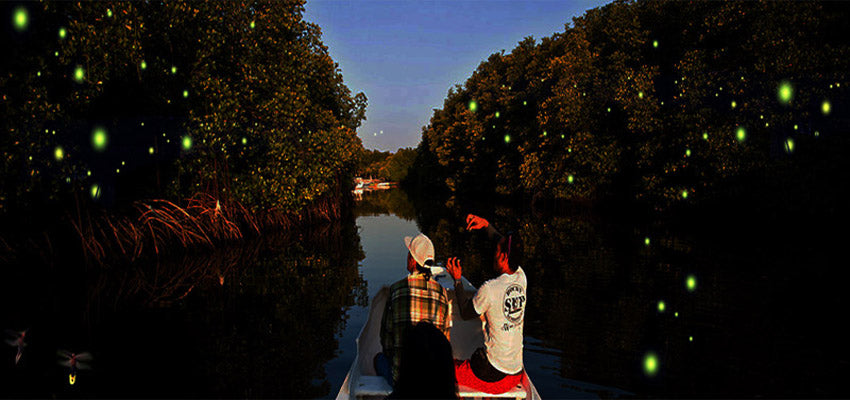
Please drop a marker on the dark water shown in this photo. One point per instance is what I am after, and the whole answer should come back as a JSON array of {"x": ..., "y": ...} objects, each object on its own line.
[{"x": 277, "y": 317}]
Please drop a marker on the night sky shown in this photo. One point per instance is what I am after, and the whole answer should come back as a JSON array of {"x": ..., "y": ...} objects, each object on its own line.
[{"x": 405, "y": 55}]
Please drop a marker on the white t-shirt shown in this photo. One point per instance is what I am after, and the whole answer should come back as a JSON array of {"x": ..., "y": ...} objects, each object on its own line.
[{"x": 502, "y": 302}]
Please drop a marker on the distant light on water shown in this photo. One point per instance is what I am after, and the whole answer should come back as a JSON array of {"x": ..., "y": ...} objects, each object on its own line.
[{"x": 650, "y": 364}]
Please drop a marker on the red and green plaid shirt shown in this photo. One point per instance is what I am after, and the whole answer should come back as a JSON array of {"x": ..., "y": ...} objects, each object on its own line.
[{"x": 412, "y": 300}]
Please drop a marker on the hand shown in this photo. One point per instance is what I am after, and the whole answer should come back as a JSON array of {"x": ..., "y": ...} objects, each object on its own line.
[
  {"x": 475, "y": 222},
  {"x": 453, "y": 266}
]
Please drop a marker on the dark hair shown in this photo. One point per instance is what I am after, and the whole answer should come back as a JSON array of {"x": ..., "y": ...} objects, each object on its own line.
[{"x": 427, "y": 367}]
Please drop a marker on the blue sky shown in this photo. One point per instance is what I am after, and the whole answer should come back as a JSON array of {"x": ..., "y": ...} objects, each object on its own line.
[{"x": 405, "y": 55}]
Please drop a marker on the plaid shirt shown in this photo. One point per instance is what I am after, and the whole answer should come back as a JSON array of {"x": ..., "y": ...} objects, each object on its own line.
[{"x": 412, "y": 300}]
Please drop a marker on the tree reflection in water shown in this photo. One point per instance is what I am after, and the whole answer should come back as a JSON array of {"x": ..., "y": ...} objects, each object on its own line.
[{"x": 254, "y": 319}]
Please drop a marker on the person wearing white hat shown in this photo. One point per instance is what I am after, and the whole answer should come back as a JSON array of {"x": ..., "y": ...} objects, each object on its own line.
[{"x": 412, "y": 299}]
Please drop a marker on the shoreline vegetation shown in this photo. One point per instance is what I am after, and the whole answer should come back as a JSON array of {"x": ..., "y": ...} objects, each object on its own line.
[{"x": 135, "y": 129}]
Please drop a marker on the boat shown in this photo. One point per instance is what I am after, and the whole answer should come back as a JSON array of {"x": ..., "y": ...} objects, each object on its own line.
[{"x": 362, "y": 382}]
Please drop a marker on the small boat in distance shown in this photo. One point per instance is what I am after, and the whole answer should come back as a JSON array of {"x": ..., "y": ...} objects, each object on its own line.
[{"x": 363, "y": 383}]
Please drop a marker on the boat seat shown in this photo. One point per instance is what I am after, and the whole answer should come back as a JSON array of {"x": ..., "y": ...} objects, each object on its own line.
[
  {"x": 377, "y": 386},
  {"x": 372, "y": 386},
  {"x": 469, "y": 393}
]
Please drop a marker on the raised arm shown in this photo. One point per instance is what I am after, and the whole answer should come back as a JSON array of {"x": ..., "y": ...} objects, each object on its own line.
[
  {"x": 464, "y": 303},
  {"x": 474, "y": 222}
]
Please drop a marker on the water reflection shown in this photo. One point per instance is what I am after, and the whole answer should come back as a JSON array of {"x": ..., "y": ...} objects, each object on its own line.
[{"x": 258, "y": 319}]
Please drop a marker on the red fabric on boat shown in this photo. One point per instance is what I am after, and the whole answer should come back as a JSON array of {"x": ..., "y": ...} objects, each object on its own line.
[{"x": 466, "y": 377}]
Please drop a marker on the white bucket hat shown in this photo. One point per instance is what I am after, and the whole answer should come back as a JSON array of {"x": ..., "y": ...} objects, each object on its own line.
[{"x": 420, "y": 248}]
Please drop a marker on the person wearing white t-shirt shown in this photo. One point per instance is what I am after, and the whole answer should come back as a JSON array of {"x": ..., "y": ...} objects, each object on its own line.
[{"x": 501, "y": 301}]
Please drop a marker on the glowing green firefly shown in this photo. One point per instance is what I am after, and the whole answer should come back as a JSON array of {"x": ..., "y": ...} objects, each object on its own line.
[
  {"x": 691, "y": 283},
  {"x": 173, "y": 70},
  {"x": 570, "y": 179},
  {"x": 646, "y": 241},
  {"x": 99, "y": 139},
  {"x": 685, "y": 194},
  {"x": 58, "y": 153},
  {"x": 817, "y": 133},
  {"x": 497, "y": 114},
  {"x": 650, "y": 364},
  {"x": 186, "y": 142},
  {"x": 705, "y": 136},
  {"x": 185, "y": 94},
  {"x": 789, "y": 145},
  {"x": 690, "y": 338},
  {"x": 143, "y": 64},
  {"x": 95, "y": 191},
  {"x": 38, "y": 73},
  {"x": 785, "y": 93},
  {"x": 687, "y": 152},
  {"x": 507, "y": 138},
  {"x": 676, "y": 314},
  {"x": 661, "y": 306},
  {"x": 473, "y": 106},
  {"x": 109, "y": 12},
  {"x": 544, "y": 133},
  {"x": 244, "y": 141},
  {"x": 609, "y": 109},
  {"x": 562, "y": 136},
  {"x": 88, "y": 173},
  {"x": 640, "y": 95},
  {"x": 79, "y": 74},
  {"x": 253, "y": 24},
  {"x": 734, "y": 104},
  {"x": 655, "y": 44},
  {"x": 524, "y": 103},
  {"x": 741, "y": 134},
  {"x": 63, "y": 32},
  {"x": 21, "y": 18},
  {"x": 825, "y": 107},
  {"x": 150, "y": 150}
]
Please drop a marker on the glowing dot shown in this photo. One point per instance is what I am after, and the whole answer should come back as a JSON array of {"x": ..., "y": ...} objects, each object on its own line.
[
  {"x": 99, "y": 139},
  {"x": 785, "y": 92},
  {"x": 796, "y": 127},
  {"x": 143, "y": 64},
  {"x": 734, "y": 104},
  {"x": 705, "y": 135},
  {"x": 544, "y": 133},
  {"x": 676, "y": 314},
  {"x": 655, "y": 44},
  {"x": 244, "y": 141},
  {"x": 817, "y": 133},
  {"x": 38, "y": 73},
  {"x": 473, "y": 106},
  {"x": 507, "y": 138},
  {"x": 497, "y": 114},
  {"x": 56, "y": 53},
  {"x": 609, "y": 109},
  {"x": 122, "y": 163},
  {"x": 687, "y": 152},
  {"x": 95, "y": 191},
  {"x": 789, "y": 145},
  {"x": 58, "y": 153},
  {"x": 185, "y": 94},
  {"x": 142, "y": 123},
  {"x": 562, "y": 136},
  {"x": 88, "y": 173},
  {"x": 117, "y": 170},
  {"x": 646, "y": 241},
  {"x": 109, "y": 12},
  {"x": 570, "y": 179},
  {"x": 150, "y": 150},
  {"x": 825, "y": 107},
  {"x": 741, "y": 134},
  {"x": 640, "y": 95},
  {"x": 685, "y": 194},
  {"x": 173, "y": 70},
  {"x": 690, "y": 338},
  {"x": 661, "y": 306},
  {"x": 186, "y": 142},
  {"x": 524, "y": 103},
  {"x": 72, "y": 379},
  {"x": 691, "y": 283},
  {"x": 650, "y": 364},
  {"x": 21, "y": 18},
  {"x": 63, "y": 32},
  {"x": 79, "y": 74}
]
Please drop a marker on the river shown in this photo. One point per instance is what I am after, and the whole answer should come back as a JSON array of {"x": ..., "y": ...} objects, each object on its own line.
[{"x": 617, "y": 307}]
